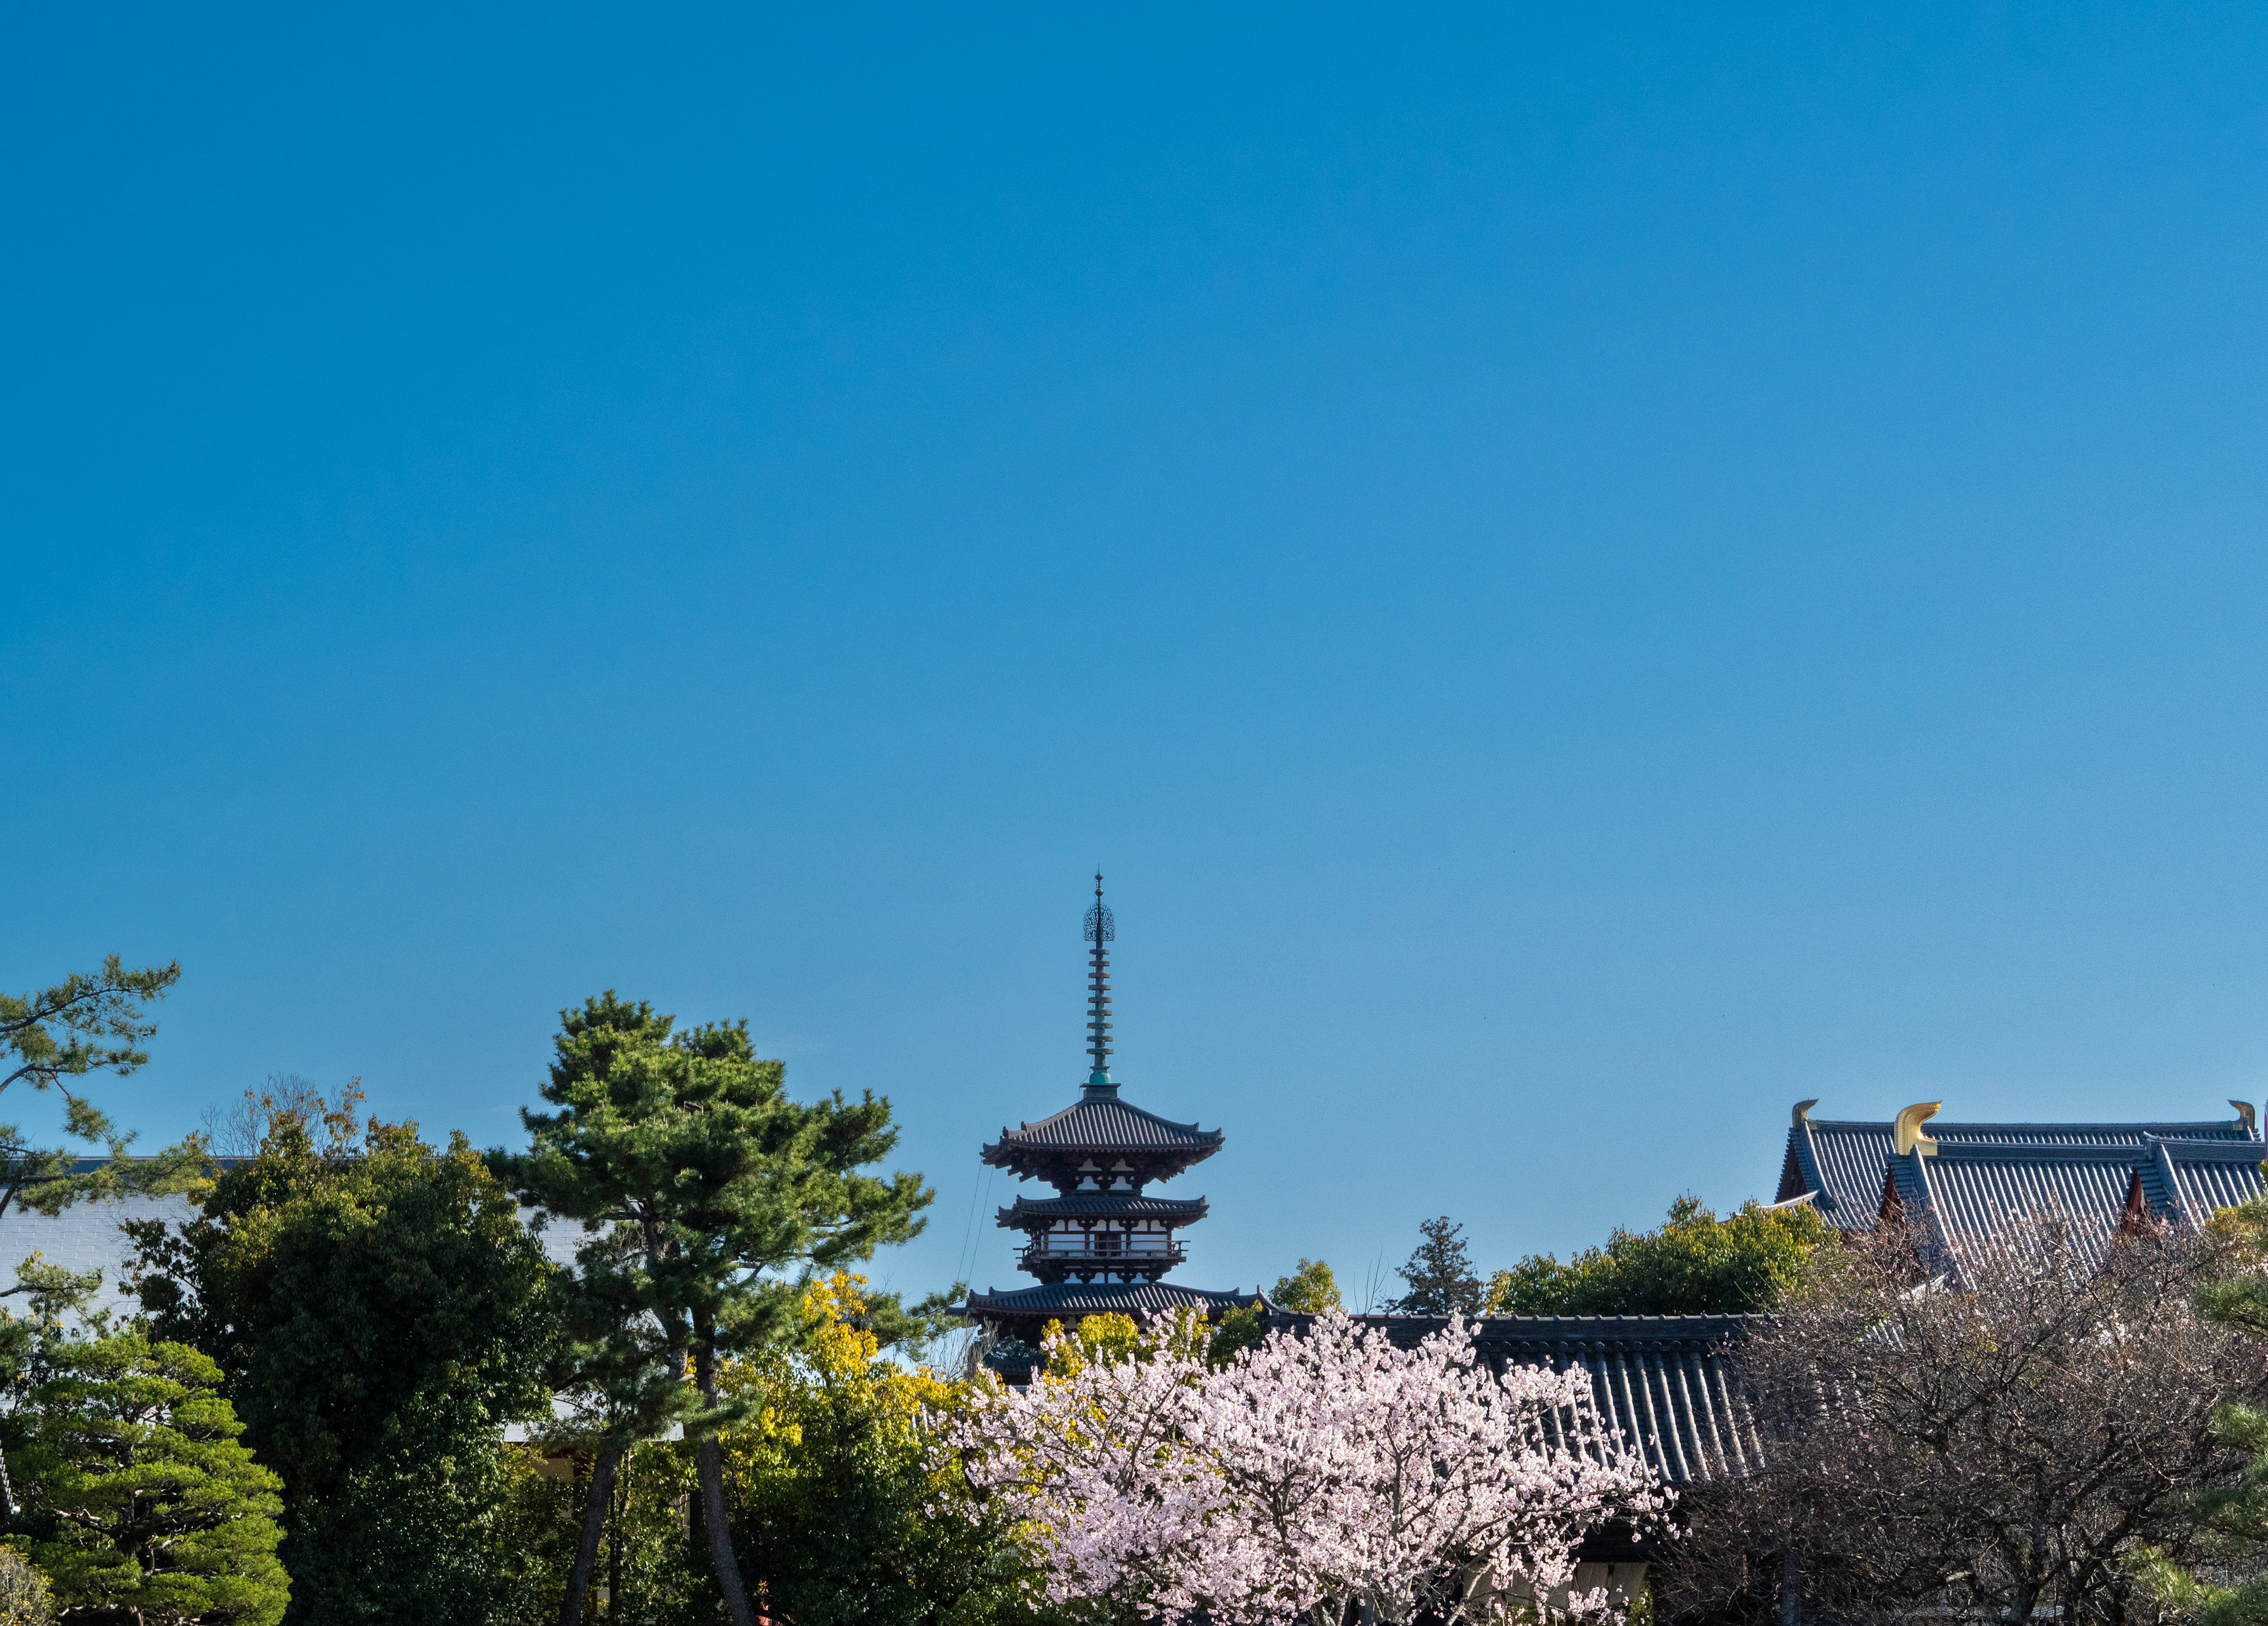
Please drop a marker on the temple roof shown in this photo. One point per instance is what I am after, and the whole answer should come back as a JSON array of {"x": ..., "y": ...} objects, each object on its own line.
[
  {"x": 1967, "y": 1192},
  {"x": 1841, "y": 1164},
  {"x": 2193, "y": 1178},
  {"x": 1061, "y": 1300},
  {"x": 1100, "y": 1124},
  {"x": 1103, "y": 1205},
  {"x": 1659, "y": 1380}
]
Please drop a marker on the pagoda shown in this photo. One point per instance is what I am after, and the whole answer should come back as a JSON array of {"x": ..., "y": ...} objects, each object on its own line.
[{"x": 1100, "y": 1245}]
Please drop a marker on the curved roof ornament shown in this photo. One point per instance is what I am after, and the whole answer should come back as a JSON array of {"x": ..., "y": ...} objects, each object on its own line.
[
  {"x": 1802, "y": 1112},
  {"x": 2246, "y": 1116},
  {"x": 1905, "y": 1134}
]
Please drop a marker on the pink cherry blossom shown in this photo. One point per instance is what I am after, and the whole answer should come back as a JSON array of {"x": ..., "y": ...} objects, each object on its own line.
[{"x": 1317, "y": 1474}]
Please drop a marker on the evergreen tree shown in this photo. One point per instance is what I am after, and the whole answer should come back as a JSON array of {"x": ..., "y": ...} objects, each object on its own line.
[
  {"x": 708, "y": 1195},
  {"x": 2226, "y": 1582},
  {"x": 1440, "y": 1275},
  {"x": 380, "y": 1313},
  {"x": 144, "y": 1502},
  {"x": 91, "y": 1022},
  {"x": 1695, "y": 1264}
]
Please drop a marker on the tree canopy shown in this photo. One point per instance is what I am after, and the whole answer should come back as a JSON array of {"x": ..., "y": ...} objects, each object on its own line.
[
  {"x": 381, "y": 1312},
  {"x": 91, "y": 1022},
  {"x": 1440, "y": 1274},
  {"x": 1311, "y": 1290},
  {"x": 1694, "y": 1264},
  {"x": 142, "y": 1497},
  {"x": 708, "y": 1195},
  {"x": 837, "y": 1488},
  {"x": 2015, "y": 1435},
  {"x": 1280, "y": 1487}
]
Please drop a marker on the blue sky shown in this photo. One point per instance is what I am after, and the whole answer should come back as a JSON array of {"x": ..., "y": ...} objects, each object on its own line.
[{"x": 1587, "y": 577}]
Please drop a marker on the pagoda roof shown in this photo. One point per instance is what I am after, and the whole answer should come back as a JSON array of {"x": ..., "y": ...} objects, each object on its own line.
[
  {"x": 1063, "y": 1300},
  {"x": 1841, "y": 1164},
  {"x": 1103, "y": 1205},
  {"x": 1100, "y": 1123}
]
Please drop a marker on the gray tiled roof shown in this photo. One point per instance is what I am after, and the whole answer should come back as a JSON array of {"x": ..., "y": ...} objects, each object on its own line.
[
  {"x": 1968, "y": 1192},
  {"x": 1972, "y": 1190},
  {"x": 1843, "y": 1164},
  {"x": 2192, "y": 1178},
  {"x": 1659, "y": 1380},
  {"x": 1103, "y": 1123},
  {"x": 1057, "y": 1299},
  {"x": 1104, "y": 1205}
]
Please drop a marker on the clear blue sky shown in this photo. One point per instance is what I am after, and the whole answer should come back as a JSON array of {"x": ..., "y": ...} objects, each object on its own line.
[{"x": 1587, "y": 572}]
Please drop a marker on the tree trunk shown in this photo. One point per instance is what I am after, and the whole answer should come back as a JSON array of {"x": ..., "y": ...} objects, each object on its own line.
[
  {"x": 614, "y": 1556},
  {"x": 595, "y": 1509},
  {"x": 1790, "y": 1591},
  {"x": 711, "y": 1456}
]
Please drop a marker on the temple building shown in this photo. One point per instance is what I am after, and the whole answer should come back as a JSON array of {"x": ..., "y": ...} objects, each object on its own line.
[
  {"x": 1960, "y": 1185},
  {"x": 1102, "y": 1244}
]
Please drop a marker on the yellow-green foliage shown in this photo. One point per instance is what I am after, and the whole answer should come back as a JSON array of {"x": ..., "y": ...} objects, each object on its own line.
[
  {"x": 841, "y": 1510},
  {"x": 1696, "y": 1264},
  {"x": 1310, "y": 1290},
  {"x": 25, "y": 1599}
]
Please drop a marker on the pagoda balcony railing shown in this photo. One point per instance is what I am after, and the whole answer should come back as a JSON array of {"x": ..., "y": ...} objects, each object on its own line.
[{"x": 1039, "y": 1258}]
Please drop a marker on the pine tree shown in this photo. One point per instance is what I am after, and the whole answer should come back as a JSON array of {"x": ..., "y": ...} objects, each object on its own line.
[
  {"x": 91, "y": 1022},
  {"x": 2226, "y": 1583},
  {"x": 145, "y": 1503},
  {"x": 1440, "y": 1274},
  {"x": 708, "y": 1195}
]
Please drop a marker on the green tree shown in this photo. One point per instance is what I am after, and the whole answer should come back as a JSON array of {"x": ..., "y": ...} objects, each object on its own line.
[
  {"x": 1310, "y": 1290},
  {"x": 1440, "y": 1274},
  {"x": 840, "y": 1500},
  {"x": 25, "y": 1598},
  {"x": 709, "y": 1196},
  {"x": 1695, "y": 1264},
  {"x": 144, "y": 1502},
  {"x": 380, "y": 1313},
  {"x": 91, "y": 1022},
  {"x": 2226, "y": 1582}
]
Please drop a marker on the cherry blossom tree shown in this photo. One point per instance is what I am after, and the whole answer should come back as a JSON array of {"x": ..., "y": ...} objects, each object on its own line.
[{"x": 1318, "y": 1475}]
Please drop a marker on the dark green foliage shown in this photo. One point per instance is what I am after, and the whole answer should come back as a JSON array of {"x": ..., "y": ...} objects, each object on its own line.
[
  {"x": 727, "y": 1188},
  {"x": 1237, "y": 1329},
  {"x": 381, "y": 1312},
  {"x": 2226, "y": 1583},
  {"x": 707, "y": 1195},
  {"x": 141, "y": 1495},
  {"x": 1696, "y": 1264},
  {"x": 87, "y": 1023},
  {"x": 1310, "y": 1290},
  {"x": 1440, "y": 1274}
]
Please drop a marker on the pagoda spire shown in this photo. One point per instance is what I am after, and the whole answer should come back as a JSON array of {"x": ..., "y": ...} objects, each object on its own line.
[{"x": 1100, "y": 929}]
